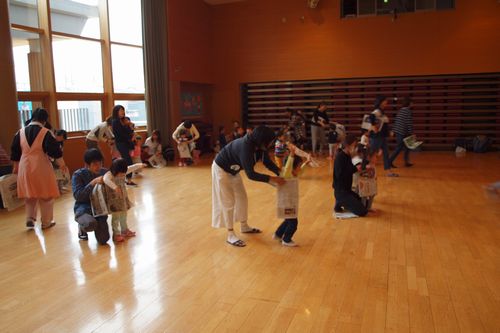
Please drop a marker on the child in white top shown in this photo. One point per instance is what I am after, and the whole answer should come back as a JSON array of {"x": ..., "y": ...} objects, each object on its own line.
[
  {"x": 183, "y": 148},
  {"x": 118, "y": 201},
  {"x": 154, "y": 143}
]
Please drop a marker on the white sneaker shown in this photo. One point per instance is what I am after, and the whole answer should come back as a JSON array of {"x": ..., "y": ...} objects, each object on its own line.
[
  {"x": 276, "y": 237},
  {"x": 290, "y": 243}
]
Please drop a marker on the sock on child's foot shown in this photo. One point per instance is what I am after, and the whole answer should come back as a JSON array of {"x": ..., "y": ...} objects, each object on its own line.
[
  {"x": 245, "y": 227},
  {"x": 231, "y": 237}
]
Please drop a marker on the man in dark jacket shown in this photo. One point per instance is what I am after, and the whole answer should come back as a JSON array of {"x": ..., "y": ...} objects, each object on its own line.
[
  {"x": 229, "y": 198},
  {"x": 83, "y": 181}
]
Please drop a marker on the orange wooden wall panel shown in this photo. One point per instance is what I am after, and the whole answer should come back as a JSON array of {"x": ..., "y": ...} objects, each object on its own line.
[
  {"x": 190, "y": 41},
  {"x": 251, "y": 44}
]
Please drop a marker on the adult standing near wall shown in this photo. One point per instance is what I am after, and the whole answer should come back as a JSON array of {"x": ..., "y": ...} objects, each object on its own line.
[
  {"x": 319, "y": 122},
  {"x": 229, "y": 197},
  {"x": 36, "y": 181},
  {"x": 380, "y": 131},
  {"x": 193, "y": 133},
  {"x": 123, "y": 137},
  {"x": 403, "y": 127}
]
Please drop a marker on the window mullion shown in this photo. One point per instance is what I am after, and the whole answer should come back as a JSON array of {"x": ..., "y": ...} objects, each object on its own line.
[
  {"x": 48, "y": 59},
  {"x": 107, "y": 68}
]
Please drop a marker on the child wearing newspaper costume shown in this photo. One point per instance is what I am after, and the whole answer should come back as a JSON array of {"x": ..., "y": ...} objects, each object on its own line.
[
  {"x": 293, "y": 168},
  {"x": 364, "y": 182},
  {"x": 117, "y": 199}
]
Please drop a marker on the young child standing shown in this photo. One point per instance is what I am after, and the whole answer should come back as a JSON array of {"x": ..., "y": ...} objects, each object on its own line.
[
  {"x": 280, "y": 149},
  {"x": 362, "y": 162},
  {"x": 136, "y": 153},
  {"x": 293, "y": 168},
  {"x": 119, "y": 203},
  {"x": 332, "y": 141},
  {"x": 183, "y": 148}
]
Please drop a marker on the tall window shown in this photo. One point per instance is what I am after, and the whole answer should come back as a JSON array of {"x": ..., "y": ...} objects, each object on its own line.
[
  {"x": 90, "y": 56},
  {"x": 77, "y": 65}
]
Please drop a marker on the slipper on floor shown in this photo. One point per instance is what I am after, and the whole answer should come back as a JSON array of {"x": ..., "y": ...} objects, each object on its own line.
[
  {"x": 252, "y": 231},
  {"x": 82, "y": 235},
  {"x": 48, "y": 225},
  {"x": 238, "y": 243},
  {"x": 30, "y": 224},
  {"x": 345, "y": 215}
]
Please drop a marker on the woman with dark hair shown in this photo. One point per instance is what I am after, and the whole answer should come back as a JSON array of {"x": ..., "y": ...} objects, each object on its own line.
[
  {"x": 154, "y": 143},
  {"x": 123, "y": 133},
  {"x": 380, "y": 131},
  {"x": 36, "y": 182},
  {"x": 229, "y": 198}
]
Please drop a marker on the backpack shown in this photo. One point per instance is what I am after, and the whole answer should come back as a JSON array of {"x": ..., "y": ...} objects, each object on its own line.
[
  {"x": 168, "y": 153},
  {"x": 481, "y": 144}
]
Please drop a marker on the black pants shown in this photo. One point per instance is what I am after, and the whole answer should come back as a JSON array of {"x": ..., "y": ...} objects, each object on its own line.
[
  {"x": 350, "y": 201},
  {"x": 286, "y": 229},
  {"x": 124, "y": 149},
  {"x": 101, "y": 230},
  {"x": 380, "y": 142},
  {"x": 400, "y": 145},
  {"x": 91, "y": 144}
]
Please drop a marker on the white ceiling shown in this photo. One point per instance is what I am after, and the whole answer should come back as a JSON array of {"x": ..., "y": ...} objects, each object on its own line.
[{"x": 220, "y": 2}]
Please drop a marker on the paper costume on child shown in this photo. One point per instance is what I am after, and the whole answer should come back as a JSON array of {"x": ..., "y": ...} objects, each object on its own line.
[{"x": 8, "y": 191}]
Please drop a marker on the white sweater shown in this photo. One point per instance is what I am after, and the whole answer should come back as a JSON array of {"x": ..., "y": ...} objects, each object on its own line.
[
  {"x": 154, "y": 147},
  {"x": 101, "y": 132},
  {"x": 193, "y": 130}
]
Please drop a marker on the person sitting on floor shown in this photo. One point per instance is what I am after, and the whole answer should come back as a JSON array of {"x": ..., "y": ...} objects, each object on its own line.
[{"x": 343, "y": 171}]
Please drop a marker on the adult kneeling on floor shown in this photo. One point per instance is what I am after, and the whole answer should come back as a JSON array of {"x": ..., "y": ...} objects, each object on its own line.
[
  {"x": 229, "y": 197},
  {"x": 83, "y": 182},
  {"x": 343, "y": 170}
]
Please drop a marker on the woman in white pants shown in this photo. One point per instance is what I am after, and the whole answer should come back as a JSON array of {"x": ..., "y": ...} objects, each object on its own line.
[{"x": 229, "y": 197}]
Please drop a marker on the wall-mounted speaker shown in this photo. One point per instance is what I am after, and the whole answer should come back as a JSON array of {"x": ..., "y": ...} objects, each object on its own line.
[{"x": 312, "y": 3}]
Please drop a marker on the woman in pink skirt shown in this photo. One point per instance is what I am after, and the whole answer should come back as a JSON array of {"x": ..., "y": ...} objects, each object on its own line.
[{"x": 36, "y": 181}]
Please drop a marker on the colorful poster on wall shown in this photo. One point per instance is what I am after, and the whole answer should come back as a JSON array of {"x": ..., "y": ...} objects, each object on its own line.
[{"x": 191, "y": 104}]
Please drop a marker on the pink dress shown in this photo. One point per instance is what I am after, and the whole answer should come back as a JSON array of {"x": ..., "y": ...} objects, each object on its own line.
[{"x": 36, "y": 177}]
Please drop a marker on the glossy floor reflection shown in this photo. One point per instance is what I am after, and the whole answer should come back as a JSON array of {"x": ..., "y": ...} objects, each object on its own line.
[{"x": 429, "y": 260}]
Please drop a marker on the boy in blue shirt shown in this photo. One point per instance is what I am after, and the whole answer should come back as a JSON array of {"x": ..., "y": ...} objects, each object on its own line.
[{"x": 83, "y": 182}]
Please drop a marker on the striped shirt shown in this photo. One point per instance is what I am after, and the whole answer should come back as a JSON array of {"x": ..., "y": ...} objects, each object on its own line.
[{"x": 403, "y": 124}]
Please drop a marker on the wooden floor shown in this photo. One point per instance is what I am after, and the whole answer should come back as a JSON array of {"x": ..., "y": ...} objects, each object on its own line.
[{"x": 429, "y": 261}]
